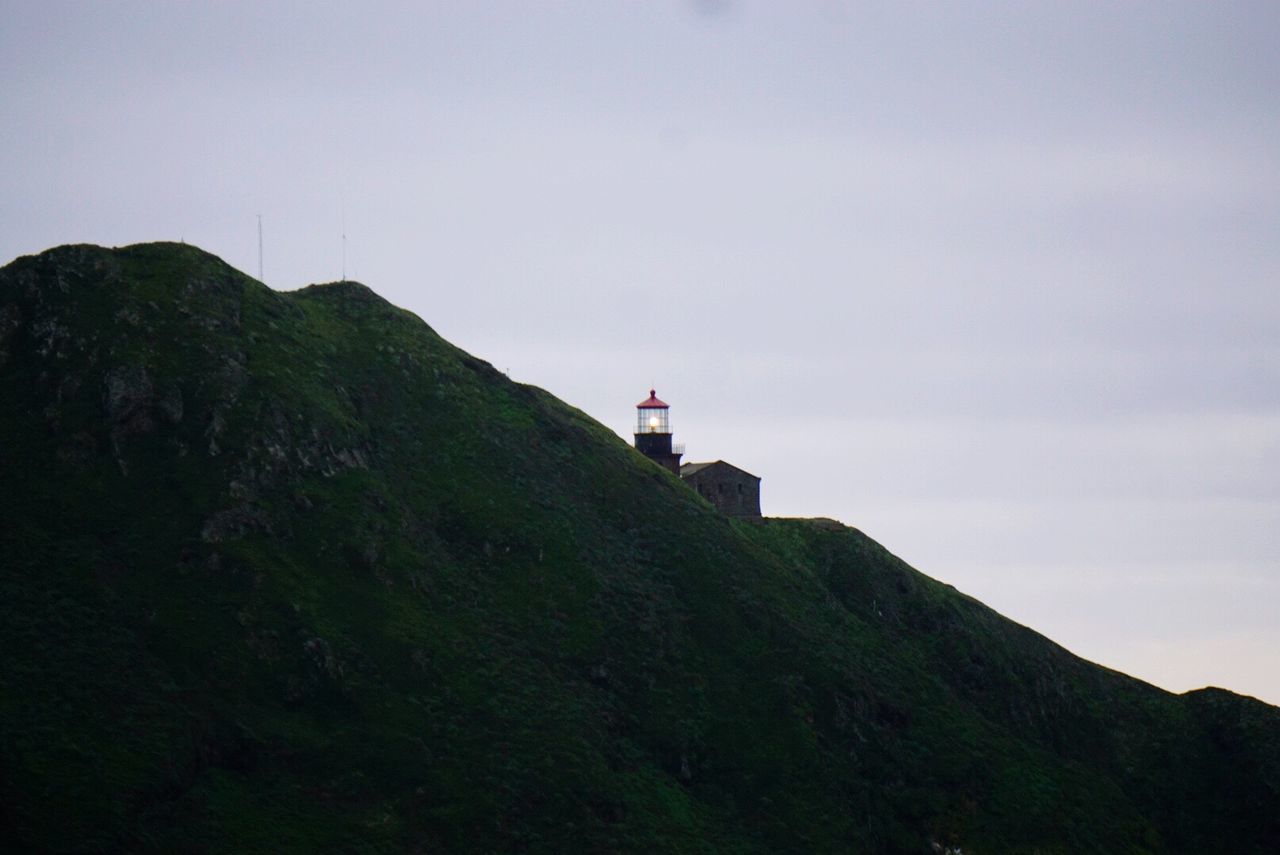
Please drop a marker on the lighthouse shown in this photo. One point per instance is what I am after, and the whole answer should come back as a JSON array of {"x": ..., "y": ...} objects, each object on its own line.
[{"x": 653, "y": 433}]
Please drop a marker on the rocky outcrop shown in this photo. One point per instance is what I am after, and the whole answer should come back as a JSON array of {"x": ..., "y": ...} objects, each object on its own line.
[{"x": 10, "y": 321}]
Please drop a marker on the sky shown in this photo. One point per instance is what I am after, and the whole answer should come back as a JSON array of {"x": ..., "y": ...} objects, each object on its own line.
[{"x": 998, "y": 284}]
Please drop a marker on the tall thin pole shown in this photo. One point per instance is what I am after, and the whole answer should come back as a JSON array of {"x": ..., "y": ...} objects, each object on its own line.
[
  {"x": 343, "y": 209},
  {"x": 260, "y": 279}
]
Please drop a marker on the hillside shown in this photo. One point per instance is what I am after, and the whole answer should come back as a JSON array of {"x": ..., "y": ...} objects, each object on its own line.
[{"x": 289, "y": 572}]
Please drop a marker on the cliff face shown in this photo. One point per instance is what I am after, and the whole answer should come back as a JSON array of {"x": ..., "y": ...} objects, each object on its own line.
[{"x": 289, "y": 571}]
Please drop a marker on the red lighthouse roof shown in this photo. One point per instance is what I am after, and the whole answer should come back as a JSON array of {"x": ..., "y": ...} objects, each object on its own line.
[{"x": 652, "y": 403}]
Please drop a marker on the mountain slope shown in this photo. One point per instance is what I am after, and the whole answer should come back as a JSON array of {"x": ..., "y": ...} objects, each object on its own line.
[{"x": 289, "y": 571}]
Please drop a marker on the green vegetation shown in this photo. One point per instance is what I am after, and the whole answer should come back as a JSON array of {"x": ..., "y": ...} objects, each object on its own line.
[{"x": 289, "y": 572}]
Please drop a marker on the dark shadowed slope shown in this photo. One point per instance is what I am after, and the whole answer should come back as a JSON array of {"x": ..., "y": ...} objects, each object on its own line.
[{"x": 287, "y": 571}]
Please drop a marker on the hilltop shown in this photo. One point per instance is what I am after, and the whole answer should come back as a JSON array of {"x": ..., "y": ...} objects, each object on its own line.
[{"x": 289, "y": 572}]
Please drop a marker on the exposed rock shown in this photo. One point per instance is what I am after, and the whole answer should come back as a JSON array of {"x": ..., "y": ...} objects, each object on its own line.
[
  {"x": 686, "y": 771},
  {"x": 10, "y": 320},
  {"x": 128, "y": 393},
  {"x": 212, "y": 302},
  {"x": 231, "y": 377},
  {"x": 65, "y": 391},
  {"x": 50, "y": 337},
  {"x": 280, "y": 450},
  {"x": 322, "y": 657},
  {"x": 169, "y": 403},
  {"x": 128, "y": 315},
  {"x": 421, "y": 660},
  {"x": 127, "y": 399},
  {"x": 233, "y": 523},
  {"x": 217, "y": 424}
]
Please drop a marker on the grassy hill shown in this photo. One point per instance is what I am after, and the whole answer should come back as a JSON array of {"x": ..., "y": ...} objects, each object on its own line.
[{"x": 289, "y": 572}]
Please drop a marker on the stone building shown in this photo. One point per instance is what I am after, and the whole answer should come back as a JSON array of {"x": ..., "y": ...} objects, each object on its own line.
[{"x": 733, "y": 491}]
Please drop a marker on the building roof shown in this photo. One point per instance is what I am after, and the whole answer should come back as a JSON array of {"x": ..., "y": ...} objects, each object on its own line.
[
  {"x": 688, "y": 469},
  {"x": 652, "y": 403}
]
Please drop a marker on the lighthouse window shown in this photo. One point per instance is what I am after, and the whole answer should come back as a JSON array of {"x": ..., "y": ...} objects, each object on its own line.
[{"x": 652, "y": 420}]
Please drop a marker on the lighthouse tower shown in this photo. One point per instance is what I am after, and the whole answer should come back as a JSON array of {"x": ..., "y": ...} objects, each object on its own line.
[{"x": 653, "y": 433}]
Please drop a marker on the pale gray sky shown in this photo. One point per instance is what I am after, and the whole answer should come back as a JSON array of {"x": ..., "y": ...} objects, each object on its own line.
[{"x": 996, "y": 283}]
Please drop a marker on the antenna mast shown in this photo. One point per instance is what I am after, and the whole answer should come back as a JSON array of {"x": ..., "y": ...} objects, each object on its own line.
[
  {"x": 343, "y": 208},
  {"x": 260, "y": 279}
]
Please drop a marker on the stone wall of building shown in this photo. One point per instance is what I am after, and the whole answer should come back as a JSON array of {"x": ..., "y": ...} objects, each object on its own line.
[{"x": 731, "y": 490}]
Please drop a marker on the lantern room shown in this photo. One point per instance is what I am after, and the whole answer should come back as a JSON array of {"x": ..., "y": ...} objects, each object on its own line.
[
  {"x": 651, "y": 415},
  {"x": 653, "y": 433}
]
